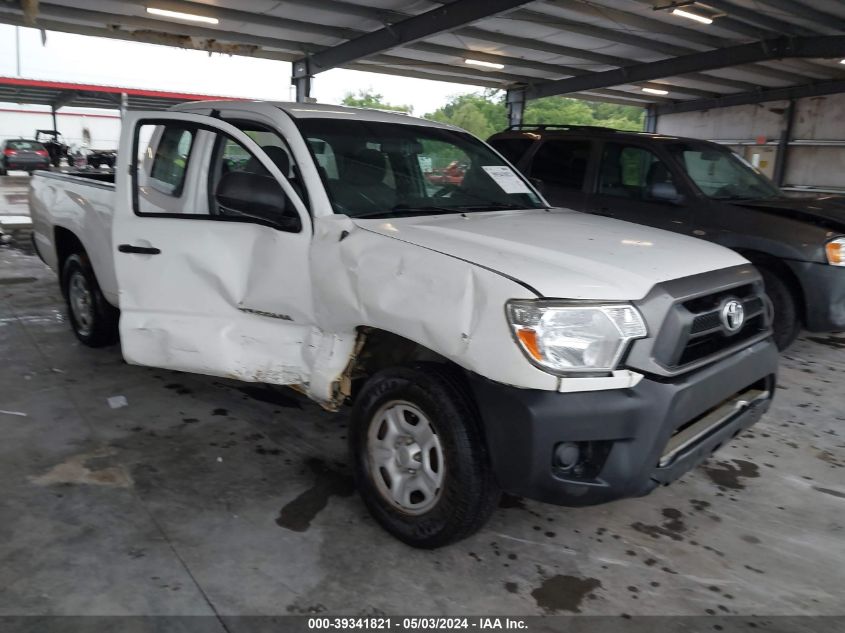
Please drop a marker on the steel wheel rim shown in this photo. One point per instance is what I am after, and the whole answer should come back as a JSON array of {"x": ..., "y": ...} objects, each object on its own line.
[
  {"x": 81, "y": 303},
  {"x": 405, "y": 457}
]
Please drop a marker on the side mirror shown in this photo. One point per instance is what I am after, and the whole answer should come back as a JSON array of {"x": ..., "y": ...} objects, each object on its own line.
[
  {"x": 665, "y": 192},
  {"x": 256, "y": 196}
]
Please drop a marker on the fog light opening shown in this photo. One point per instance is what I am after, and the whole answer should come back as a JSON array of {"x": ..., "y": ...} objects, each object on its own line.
[{"x": 567, "y": 455}]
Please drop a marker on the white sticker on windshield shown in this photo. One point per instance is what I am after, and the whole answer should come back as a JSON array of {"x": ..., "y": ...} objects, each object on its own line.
[{"x": 506, "y": 179}]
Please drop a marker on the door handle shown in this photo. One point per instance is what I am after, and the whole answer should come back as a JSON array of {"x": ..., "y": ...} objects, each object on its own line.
[{"x": 141, "y": 250}]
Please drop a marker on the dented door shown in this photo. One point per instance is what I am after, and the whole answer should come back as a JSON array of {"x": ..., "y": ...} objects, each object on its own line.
[{"x": 205, "y": 287}]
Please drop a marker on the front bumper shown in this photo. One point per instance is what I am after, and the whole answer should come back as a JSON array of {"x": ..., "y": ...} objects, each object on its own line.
[
  {"x": 824, "y": 295},
  {"x": 623, "y": 436}
]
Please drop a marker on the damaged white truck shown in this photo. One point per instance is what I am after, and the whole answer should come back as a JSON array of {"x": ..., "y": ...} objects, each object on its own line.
[{"x": 485, "y": 341}]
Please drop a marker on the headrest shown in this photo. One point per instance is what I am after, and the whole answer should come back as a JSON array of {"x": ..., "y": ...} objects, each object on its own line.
[
  {"x": 367, "y": 167},
  {"x": 658, "y": 172},
  {"x": 274, "y": 153}
]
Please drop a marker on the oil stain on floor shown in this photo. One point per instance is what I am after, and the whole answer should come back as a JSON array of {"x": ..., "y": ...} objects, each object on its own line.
[
  {"x": 564, "y": 593},
  {"x": 730, "y": 476},
  {"x": 298, "y": 514}
]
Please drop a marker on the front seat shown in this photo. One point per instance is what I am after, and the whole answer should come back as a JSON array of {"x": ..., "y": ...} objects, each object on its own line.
[
  {"x": 363, "y": 186},
  {"x": 281, "y": 160},
  {"x": 659, "y": 183}
]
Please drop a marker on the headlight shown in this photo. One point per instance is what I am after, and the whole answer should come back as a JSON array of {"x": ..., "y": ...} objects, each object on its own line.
[
  {"x": 563, "y": 338},
  {"x": 836, "y": 252}
]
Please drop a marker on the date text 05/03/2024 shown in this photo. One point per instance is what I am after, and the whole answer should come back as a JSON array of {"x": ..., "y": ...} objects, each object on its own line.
[{"x": 416, "y": 623}]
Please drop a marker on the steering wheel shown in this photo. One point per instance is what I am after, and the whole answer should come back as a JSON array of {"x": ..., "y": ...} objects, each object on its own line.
[
  {"x": 445, "y": 191},
  {"x": 724, "y": 192}
]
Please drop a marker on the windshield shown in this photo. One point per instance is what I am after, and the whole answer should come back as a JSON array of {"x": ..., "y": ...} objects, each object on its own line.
[
  {"x": 28, "y": 146},
  {"x": 722, "y": 175},
  {"x": 374, "y": 169}
]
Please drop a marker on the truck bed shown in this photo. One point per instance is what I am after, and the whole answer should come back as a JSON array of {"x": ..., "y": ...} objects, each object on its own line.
[{"x": 75, "y": 208}]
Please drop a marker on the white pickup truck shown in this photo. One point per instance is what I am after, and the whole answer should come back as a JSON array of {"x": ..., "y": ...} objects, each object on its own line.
[{"x": 485, "y": 341}]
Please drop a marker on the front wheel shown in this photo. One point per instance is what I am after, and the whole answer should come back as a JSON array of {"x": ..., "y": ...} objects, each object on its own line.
[
  {"x": 93, "y": 319},
  {"x": 420, "y": 459},
  {"x": 787, "y": 323}
]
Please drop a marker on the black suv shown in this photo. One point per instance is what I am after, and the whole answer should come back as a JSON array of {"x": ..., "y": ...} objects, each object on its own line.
[{"x": 701, "y": 189}]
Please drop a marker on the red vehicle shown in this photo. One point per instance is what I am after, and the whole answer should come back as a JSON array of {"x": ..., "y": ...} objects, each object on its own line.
[{"x": 452, "y": 174}]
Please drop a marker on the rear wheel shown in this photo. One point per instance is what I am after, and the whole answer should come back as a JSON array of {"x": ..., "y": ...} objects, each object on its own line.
[
  {"x": 93, "y": 319},
  {"x": 420, "y": 458},
  {"x": 2, "y": 171},
  {"x": 787, "y": 323}
]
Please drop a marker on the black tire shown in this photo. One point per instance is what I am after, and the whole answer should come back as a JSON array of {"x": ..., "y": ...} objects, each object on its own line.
[
  {"x": 468, "y": 494},
  {"x": 94, "y": 163},
  {"x": 3, "y": 171},
  {"x": 100, "y": 327},
  {"x": 787, "y": 322}
]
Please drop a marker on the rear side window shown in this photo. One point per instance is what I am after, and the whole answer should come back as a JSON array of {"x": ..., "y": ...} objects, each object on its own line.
[
  {"x": 631, "y": 172},
  {"x": 171, "y": 159},
  {"x": 562, "y": 163},
  {"x": 512, "y": 148}
]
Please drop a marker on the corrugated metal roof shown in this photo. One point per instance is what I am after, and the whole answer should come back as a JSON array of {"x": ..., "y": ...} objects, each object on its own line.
[{"x": 536, "y": 43}]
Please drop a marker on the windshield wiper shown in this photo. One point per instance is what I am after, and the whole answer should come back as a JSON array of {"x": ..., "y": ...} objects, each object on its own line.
[
  {"x": 403, "y": 210},
  {"x": 493, "y": 206}
]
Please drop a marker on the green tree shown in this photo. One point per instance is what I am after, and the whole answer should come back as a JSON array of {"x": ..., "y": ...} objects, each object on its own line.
[
  {"x": 481, "y": 114},
  {"x": 370, "y": 99},
  {"x": 486, "y": 113}
]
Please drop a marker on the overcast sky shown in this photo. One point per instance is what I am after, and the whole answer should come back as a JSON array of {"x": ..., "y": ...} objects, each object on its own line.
[{"x": 77, "y": 58}]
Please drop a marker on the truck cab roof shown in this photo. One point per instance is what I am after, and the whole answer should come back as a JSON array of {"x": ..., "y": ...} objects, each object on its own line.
[{"x": 315, "y": 111}]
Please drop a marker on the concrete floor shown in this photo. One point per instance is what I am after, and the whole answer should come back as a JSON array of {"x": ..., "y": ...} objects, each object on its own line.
[{"x": 205, "y": 496}]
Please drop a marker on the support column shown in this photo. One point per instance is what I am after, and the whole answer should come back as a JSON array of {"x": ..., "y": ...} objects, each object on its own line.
[
  {"x": 53, "y": 112},
  {"x": 783, "y": 144},
  {"x": 301, "y": 80},
  {"x": 516, "y": 106},
  {"x": 651, "y": 119},
  {"x": 124, "y": 104}
]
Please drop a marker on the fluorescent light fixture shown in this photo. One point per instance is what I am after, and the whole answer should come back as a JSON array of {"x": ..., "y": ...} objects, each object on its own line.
[
  {"x": 178, "y": 15},
  {"x": 655, "y": 91},
  {"x": 478, "y": 62},
  {"x": 692, "y": 16}
]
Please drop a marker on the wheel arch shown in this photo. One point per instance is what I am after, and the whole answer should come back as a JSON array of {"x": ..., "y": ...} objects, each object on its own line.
[
  {"x": 776, "y": 265},
  {"x": 66, "y": 244},
  {"x": 378, "y": 349}
]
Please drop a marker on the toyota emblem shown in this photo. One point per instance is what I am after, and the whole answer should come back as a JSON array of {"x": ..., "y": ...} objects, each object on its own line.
[{"x": 733, "y": 315}]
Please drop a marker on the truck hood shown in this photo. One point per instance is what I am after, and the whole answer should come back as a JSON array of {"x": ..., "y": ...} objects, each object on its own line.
[
  {"x": 562, "y": 253},
  {"x": 824, "y": 211}
]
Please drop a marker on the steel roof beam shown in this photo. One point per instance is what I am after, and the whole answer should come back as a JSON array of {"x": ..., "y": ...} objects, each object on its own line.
[
  {"x": 435, "y": 21},
  {"x": 779, "y": 48},
  {"x": 468, "y": 76},
  {"x": 544, "y": 67},
  {"x": 808, "y": 13},
  {"x": 178, "y": 29},
  {"x": 758, "y": 18},
  {"x": 650, "y": 24},
  {"x": 749, "y": 98}
]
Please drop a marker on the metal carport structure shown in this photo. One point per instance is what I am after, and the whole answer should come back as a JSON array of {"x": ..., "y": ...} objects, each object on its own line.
[
  {"x": 58, "y": 94},
  {"x": 634, "y": 52}
]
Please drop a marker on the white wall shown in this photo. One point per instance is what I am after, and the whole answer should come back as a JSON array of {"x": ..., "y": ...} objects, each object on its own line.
[
  {"x": 816, "y": 119},
  {"x": 21, "y": 121}
]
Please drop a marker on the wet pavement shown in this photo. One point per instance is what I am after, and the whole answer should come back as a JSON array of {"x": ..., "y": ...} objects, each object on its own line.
[{"x": 199, "y": 495}]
